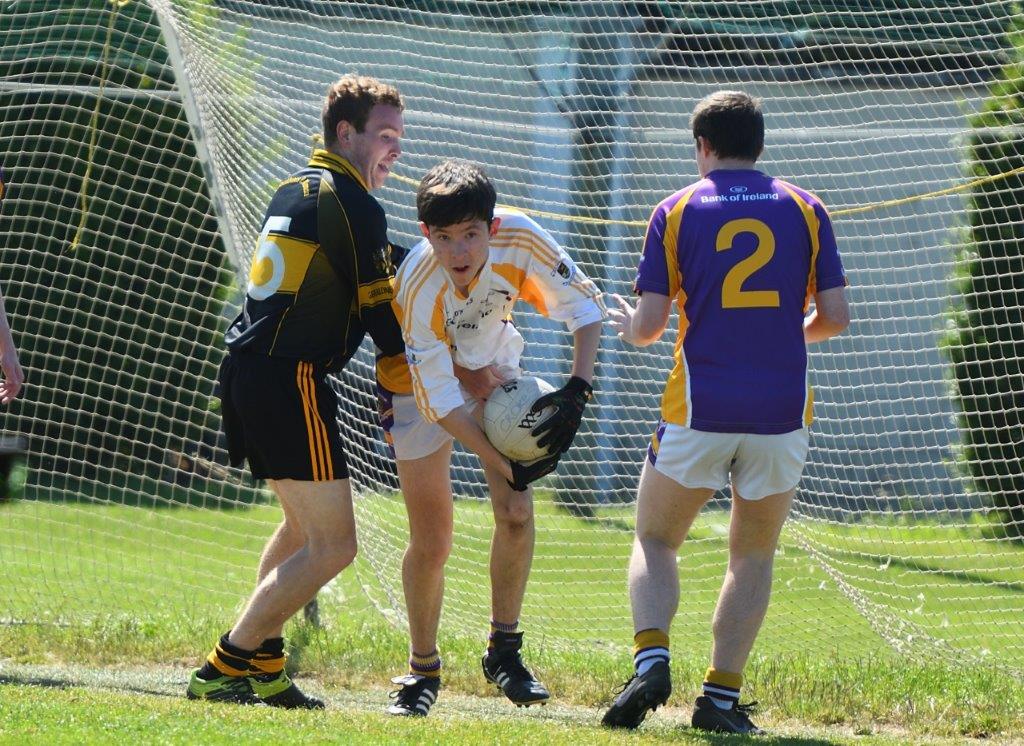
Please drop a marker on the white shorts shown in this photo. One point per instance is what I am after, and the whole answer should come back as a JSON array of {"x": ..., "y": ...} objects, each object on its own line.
[
  {"x": 760, "y": 465},
  {"x": 408, "y": 434}
]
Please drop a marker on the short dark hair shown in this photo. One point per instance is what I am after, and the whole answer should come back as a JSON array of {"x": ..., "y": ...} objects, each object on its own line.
[
  {"x": 350, "y": 98},
  {"x": 732, "y": 124},
  {"x": 454, "y": 191}
]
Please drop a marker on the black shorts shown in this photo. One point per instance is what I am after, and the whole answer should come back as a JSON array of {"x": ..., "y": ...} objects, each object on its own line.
[{"x": 281, "y": 415}]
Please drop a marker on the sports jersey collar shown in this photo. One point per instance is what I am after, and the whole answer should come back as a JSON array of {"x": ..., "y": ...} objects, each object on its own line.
[
  {"x": 326, "y": 159},
  {"x": 723, "y": 171}
]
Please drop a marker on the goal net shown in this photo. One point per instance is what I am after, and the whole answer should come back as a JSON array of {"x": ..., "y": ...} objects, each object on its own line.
[{"x": 140, "y": 143}]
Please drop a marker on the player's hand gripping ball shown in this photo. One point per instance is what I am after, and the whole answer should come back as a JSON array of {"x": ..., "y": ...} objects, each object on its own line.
[{"x": 557, "y": 431}]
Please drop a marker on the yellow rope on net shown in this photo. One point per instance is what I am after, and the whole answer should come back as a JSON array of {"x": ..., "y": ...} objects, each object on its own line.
[
  {"x": 840, "y": 212},
  {"x": 115, "y": 5},
  {"x": 318, "y": 139},
  {"x": 928, "y": 195}
]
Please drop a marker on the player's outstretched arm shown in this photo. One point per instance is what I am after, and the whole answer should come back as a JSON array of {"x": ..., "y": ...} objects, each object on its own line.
[
  {"x": 585, "y": 342},
  {"x": 13, "y": 378},
  {"x": 831, "y": 315},
  {"x": 644, "y": 324}
]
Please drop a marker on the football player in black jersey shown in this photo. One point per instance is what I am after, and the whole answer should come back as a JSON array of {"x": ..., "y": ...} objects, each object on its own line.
[{"x": 320, "y": 279}]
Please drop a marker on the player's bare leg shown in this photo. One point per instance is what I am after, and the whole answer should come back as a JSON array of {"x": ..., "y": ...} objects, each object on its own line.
[
  {"x": 753, "y": 538},
  {"x": 246, "y": 666},
  {"x": 286, "y": 540},
  {"x": 511, "y": 546},
  {"x": 324, "y": 514},
  {"x": 511, "y": 557},
  {"x": 665, "y": 512},
  {"x": 269, "y": 678},
  {"x": 426, "y": 486}
]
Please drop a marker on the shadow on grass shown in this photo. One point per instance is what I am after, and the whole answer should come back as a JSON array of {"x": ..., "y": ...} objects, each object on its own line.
[
  {"x": 962, "y": 576},
  {"x": 123, "y": 685},
  {"x": 151, "y": 491}
]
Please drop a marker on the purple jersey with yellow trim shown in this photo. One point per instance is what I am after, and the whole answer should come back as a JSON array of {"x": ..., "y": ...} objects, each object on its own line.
[{"x": 742, "y": 253}]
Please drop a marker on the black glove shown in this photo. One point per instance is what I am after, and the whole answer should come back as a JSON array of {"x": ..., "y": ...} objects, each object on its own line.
[
  {"x": 524, "y": 474},
  {"x": 558, "y": 430}
]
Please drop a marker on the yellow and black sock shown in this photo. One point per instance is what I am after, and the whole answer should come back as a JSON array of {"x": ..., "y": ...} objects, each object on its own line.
[
  {"x": 226, "y": 660},
  {"x": 649, "y": 647},
  {"x": 269, "y": 659},
  {"x": 723, "y": 688},
  {"x": 428, "y": 664}
]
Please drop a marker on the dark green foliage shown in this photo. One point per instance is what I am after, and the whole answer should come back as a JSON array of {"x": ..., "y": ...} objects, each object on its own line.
[
  {"x": 986, "y": 344},
  {"x": 12, "y": 469},
  {"x": 119, "y": 330},
  {"x": 66, "y": 39}
]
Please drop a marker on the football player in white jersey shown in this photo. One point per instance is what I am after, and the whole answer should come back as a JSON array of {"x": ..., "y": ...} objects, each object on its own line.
[{"x": 454, "y": 294}]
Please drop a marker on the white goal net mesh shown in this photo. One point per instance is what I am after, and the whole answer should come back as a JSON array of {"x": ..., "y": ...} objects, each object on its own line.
[{"x": 140, "y": 143}]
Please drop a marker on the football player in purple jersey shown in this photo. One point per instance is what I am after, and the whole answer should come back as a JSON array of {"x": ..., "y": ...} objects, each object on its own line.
[{"x": 742, "y": 254}]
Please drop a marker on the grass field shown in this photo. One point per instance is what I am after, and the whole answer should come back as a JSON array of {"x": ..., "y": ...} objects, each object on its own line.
[
  {"x": 123, "y": 589},
  {"x": 134, "y": 707}
]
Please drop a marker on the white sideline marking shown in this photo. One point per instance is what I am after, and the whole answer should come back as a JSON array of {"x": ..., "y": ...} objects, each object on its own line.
[{"x": 171, "y": 681}]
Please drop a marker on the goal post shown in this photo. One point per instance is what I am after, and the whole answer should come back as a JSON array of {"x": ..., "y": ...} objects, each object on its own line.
[{"x": 144, "y": 139}]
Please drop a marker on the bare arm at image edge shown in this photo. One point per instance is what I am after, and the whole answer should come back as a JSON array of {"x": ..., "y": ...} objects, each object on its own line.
[{"x": 10, "y": 386}]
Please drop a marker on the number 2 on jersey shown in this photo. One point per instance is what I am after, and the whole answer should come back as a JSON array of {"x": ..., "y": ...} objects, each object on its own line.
[{"x": 733, "y": 294}]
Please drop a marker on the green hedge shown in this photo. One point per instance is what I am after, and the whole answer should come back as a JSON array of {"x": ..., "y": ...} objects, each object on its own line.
[{"x": 986, "y": 344}]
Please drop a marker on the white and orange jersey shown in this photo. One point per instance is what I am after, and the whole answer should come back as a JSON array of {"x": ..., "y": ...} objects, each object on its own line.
[{"x": 441, "y": 326}]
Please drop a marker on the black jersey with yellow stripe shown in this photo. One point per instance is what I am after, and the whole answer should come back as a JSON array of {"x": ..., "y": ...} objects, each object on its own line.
[{"x": 322, "y": 271}]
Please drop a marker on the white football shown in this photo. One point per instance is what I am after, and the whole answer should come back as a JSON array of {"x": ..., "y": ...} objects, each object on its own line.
[{"x": 508, "y": 421}]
